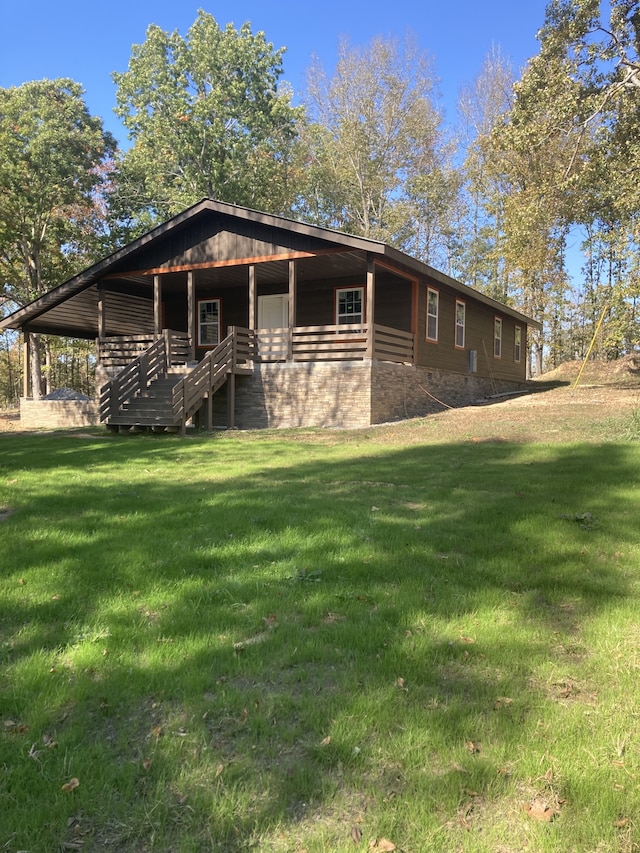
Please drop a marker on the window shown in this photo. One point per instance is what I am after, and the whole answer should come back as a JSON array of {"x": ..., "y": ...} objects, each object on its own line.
[
  {"x": 517, "y": 350},
  {"x": 497, "y": 338},
  {"x": 349, "y": 305},
  {"x": 208, "y": 322},
  {"x": 433, "y": 298},
  {"x": 460, "y": 318}
]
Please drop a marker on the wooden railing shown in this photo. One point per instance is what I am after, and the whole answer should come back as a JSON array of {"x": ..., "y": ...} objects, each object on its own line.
[
  {"x": 134, "y": 378},
  {"x": 333, "y": 343},
  {"x": 119, "y": 351},
  {"x": 203, "y": 381}
]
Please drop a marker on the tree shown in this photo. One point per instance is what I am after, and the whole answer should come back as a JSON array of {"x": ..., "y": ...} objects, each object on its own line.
[
  {"x": 53, "y": 154},
  {"x": 377, "y": 153},
  {"x": 205, "y": 117}
]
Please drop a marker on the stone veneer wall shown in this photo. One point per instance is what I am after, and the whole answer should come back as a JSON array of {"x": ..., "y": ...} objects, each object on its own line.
[
  {"x": 57, "y": 414},
  {"x": 403, "y": 391},
  {"x": 347, "y": 395},
  {"x": 323, "y": 394}
]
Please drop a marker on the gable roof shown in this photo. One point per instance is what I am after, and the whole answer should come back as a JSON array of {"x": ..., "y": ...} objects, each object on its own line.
[{"x": 123, "y": 259}]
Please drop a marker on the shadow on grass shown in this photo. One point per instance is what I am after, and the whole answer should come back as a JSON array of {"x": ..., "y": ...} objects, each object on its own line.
[{"x": 279, "y": 625}]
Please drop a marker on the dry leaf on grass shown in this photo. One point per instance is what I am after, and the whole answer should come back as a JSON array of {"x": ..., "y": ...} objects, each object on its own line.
[
  {"x": 71, "y": 785},
  {"x": 383, "y": 844},
  {"x": 356, "y": 835}
]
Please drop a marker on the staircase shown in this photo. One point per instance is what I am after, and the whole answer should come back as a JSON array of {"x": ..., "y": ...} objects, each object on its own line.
[
  {"x": 153, "y": 392},
  {"x": 153, "y": 407}
]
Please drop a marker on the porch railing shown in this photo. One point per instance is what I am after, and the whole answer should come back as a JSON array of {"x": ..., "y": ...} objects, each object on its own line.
[
  {"x": 119, "y": 351},
  {"x": 333, "y": 343}
]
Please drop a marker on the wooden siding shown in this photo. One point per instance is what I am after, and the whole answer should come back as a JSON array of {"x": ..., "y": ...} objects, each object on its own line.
[
  {"x": 479, "y": 327},
  {"x": 215, "y": 238}
]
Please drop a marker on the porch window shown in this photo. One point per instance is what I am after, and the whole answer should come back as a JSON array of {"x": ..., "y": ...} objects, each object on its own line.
[
  {"x": 349, "y": 305},
  {"x": 517, "y": 350},
  {"x": 208, "y": 322},
  {"x": 460, "y": 323},
  {"x": 497, "y": 338},
  {"x": 433, "y": 299}
]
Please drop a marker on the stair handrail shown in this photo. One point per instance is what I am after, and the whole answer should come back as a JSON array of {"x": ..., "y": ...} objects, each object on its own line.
[
  {"x": 135, "y": 377},
  {"x": 204, "y": 379}
]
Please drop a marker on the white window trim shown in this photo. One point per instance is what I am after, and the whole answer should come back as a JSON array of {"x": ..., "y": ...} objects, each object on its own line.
[
  {"x": 346, "y": 322},
  {"x": 462, "y": 326},
  {"x": 436, "y": 316},
  {"x": 517, "y": 345},
  {"x": 200, "y": 324},
  {"x": 497, "y": 337}
]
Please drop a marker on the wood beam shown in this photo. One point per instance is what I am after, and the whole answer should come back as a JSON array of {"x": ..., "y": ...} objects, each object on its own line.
[
  {"x": 157, "y": 305},
  {"x": 293, "y": 286},
  {"x": 191, "y": 314},
  {"x": 26, "y": 364},
  {"x": 371, "y": 302},
  {"x": 102, "y": 318},
  {"x": 253, "y": 303}
]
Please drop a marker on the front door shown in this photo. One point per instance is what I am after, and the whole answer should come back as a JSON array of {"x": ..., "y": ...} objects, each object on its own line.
[{"x": 273, "y": 311}]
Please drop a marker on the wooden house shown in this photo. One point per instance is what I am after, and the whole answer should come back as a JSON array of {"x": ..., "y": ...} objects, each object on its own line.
[{"x": 245, "y": 319}]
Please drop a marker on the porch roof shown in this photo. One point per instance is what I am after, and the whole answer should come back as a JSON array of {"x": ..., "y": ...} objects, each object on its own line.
[{"x": 72, "y": 308}]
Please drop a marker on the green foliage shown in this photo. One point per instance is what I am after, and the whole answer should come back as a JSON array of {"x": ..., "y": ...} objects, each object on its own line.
[
  {"x": 378, "y": 157},
  {"x": 206, "y": 118}
]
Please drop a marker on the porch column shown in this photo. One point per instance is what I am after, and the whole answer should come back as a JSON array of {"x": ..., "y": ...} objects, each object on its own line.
[
  {"x": 252, "y": 297},
  {"x": 191, "y": 314},
  {"x": 26, "y": 363},
  {"x": 371, "y": 300},
  {"x": 102, "y": 317},
  {"x": 157, "y": 305},
  {"x": 293, "y": 281}
]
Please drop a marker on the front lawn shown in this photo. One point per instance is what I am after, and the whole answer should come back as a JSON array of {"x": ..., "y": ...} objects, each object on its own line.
[{"x": 283, "y": 643}]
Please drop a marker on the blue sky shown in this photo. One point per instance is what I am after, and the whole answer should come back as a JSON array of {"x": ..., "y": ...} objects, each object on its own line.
[{"x": 87, "y": 41}]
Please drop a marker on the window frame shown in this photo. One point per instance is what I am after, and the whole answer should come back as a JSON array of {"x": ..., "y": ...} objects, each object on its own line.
[
  {"x": 497, "y": 337},
  {"x": 517, "y": 344},
  {"x": 460, "y": 327},
  {"x": 431, "y": 316},
  {"x": 202, "y": 325},
  {"x": 362, "y": 319}
]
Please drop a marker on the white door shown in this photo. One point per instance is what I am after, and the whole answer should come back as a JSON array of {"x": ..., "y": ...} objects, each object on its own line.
[{"x": 273, "y": 311}]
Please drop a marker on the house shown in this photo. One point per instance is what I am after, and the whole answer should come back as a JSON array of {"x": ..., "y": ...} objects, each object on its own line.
[{"x": 251, "y": 320}]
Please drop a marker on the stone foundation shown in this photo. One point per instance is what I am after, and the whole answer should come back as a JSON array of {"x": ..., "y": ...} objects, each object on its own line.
[
  {"x": 348, "y": 395},
  {"x": 57, "y": 414}
]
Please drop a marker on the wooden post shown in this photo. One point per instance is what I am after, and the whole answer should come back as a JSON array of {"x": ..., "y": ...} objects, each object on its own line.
[
  {"x": 231, "y": 401},
  {"x": 293, "y": 281},
  {"x": 26, "y": 364},
  {"x": 252, "y": 297},
  {"x": 157, "y": 305},
  {"x": 102, "y": 317},
  {"x": 370, "y": 305},
  {"x": 191, "y": 315}
]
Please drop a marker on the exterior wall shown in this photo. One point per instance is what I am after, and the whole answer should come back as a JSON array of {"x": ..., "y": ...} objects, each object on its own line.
[
  {"x": 403, "y": 391},
  {"x": 348, "y": 395},
  {"x": 277, "y": 396},
  {"x": 479, "y": 327},
  {"x": 57, "y": 414}
]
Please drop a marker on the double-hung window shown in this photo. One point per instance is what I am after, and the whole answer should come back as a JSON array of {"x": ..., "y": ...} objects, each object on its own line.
[
  {"x": 433, "y": 299},
  {"x": 517, "y": 349},
  {"x": 497, "y": 337},
  {"x": 460, "y": 323},
  {"x": 349, "y": 306},
  {"x": 208, "y": 322}
]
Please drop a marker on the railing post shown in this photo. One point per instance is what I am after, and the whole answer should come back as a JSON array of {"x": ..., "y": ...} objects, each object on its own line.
[
  {"x": 289, "y": 343},
  {"x": 143, "y": 371},
  {"x": 168, "y": 344}
]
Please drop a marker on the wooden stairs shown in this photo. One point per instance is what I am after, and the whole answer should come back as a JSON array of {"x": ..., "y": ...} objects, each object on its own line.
[{"x": 153, "y": 407}]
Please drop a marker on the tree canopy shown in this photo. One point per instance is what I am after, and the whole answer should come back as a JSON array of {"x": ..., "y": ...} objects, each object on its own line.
[{"x": 206, "y": 116}]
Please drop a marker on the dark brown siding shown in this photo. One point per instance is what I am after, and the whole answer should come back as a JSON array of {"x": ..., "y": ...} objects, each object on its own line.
[{"x": 479, "y": 328}]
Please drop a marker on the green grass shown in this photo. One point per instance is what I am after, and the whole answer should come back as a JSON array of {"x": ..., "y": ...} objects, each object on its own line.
[{"x": 282, "y": 643}]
